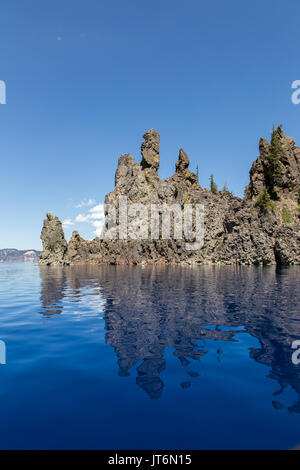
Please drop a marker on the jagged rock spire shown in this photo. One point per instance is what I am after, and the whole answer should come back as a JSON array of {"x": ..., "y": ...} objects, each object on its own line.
[
  {"x": 53, "y": 239},
  {"x": 183, "y": 162},
  {"x": 182, "y": 172},
  {"x": 150, "y": 149}
]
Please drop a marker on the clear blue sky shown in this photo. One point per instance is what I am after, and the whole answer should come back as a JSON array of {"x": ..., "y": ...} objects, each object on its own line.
[{"x": 86, "y": 78}]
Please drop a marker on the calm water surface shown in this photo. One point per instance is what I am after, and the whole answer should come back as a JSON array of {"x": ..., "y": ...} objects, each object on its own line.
[{"x": 168, "y": 357}]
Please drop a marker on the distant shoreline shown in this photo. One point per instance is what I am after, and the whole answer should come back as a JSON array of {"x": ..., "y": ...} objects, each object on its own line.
[{"x": 12, "y": 255}]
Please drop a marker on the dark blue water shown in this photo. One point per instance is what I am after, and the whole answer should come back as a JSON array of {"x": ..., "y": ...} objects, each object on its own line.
[{"x": 169, "y": 357}]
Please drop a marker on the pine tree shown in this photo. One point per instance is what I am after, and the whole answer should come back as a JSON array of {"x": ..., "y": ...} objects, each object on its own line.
[
  {"x": 225, "y": 188},
  {"x": 264, "y": 201},
  {"x": 273, "y": 169},
  {"x": 197, "y": 173},
  {"x": 213, "y": 186},
  {"x": 247, "y": 191}
]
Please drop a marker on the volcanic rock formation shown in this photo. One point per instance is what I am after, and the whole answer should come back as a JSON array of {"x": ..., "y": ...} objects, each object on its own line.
[{"x": 261, "y": 228}]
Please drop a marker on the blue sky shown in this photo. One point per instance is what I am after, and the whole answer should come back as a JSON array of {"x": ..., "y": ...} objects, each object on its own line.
[{"x": 85, "y": 80}]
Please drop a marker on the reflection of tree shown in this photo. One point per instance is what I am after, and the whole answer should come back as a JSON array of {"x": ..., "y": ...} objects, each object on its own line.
[{"x": 150, "y": 309}]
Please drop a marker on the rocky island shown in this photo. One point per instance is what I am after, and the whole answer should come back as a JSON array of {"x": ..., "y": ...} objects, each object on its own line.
[{"x": 263, "y": 228}]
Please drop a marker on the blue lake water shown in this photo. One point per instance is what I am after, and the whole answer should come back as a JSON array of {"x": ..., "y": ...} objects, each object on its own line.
[{"x": 107, "y": 357}]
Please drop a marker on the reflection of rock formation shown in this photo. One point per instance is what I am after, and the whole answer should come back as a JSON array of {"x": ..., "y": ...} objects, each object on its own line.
[
  {"x": 147, "y": 310},
  {"x": 52, "y": 289},
  {"x": 149, "y": 376}
]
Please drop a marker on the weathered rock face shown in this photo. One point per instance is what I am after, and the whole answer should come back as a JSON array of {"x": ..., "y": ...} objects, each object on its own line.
[
  {"x": 54, "y": 242},
  {"x": 77, "y": 248},
  {"x": 236, "y": 231},
  {"x": 287, "y": 245},
  {"x": 257, "y": 171},
  {"x": 150, "y": 149}
]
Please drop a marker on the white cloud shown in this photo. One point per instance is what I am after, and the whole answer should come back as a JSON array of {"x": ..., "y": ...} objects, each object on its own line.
[
  {"x": 98, "y": 224},
  {"x": 95, "y": 217},
  {"x": 97, "y": 212},
  {"x": 89, "y": 202},
  {"x": 67, "y": 223},
  {"x": 82, "y": 218}
]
